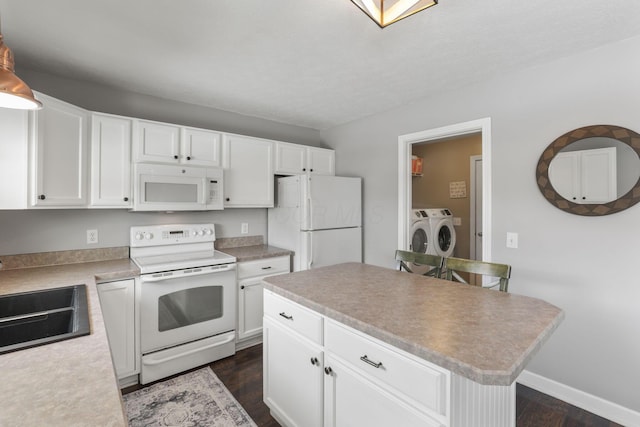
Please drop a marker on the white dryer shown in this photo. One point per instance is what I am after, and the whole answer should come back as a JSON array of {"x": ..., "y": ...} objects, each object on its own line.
[{"x": 442, "y": 231}]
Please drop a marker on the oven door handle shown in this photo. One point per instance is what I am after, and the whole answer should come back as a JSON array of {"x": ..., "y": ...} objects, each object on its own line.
[
  {"x": 186, "y": 353},
  {"x": 158, "y": 277}
]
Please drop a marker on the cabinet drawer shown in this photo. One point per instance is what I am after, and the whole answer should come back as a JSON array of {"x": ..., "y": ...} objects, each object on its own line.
[
  {"x": 288, "y": 313},
  {"x": 422, "y": 382},
  {"x": 263, "y": 267}
]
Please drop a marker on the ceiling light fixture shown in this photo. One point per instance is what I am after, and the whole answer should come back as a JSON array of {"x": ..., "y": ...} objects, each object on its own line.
[
  {"x": 14, "y": 93},
  {"x": 386, "y": 12}
]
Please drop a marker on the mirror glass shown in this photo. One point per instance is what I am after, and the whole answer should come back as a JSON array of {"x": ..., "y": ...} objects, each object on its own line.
[{"x": 594, "y": 170}]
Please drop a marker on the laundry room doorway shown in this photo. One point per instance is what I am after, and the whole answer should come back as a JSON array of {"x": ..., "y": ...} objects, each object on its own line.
[{"x": 446, "y": 188}]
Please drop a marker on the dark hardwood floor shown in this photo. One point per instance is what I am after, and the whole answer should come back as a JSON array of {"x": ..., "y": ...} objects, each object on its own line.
[{"x": 242, "y": 374}]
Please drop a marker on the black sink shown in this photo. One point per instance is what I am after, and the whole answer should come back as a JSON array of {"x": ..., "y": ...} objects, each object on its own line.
[{"x": 36, "y": 318}]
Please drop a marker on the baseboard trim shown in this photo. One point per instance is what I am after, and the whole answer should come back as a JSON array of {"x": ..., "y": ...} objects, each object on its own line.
[{"x": 604, "y": 408}]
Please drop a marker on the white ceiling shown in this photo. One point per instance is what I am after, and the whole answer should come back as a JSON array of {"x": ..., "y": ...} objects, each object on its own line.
[{"x": 312, "y": 63}]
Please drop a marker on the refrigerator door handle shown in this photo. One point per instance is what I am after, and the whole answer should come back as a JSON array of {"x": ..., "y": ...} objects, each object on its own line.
[{"x": 309, "y": 252}]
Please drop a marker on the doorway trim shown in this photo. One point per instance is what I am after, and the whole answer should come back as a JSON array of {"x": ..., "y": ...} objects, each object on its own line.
[{"x": 483, "y": 126}]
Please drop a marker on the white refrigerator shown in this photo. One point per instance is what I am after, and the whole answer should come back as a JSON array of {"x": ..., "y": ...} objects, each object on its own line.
[{"x": 319, "y": 218}]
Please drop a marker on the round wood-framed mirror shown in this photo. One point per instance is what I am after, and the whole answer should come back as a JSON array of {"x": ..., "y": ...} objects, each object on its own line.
[{"x": 566, "y": 143}]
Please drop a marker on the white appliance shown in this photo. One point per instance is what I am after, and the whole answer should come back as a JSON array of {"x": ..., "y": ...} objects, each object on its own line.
[
  {"x": 187, "y": 298},
  {"x": 176, "y": 188},
  {"x": 319, "y": 218},
  {"x": 442, "y": 230},
  {"x": 421, "y": 238}
]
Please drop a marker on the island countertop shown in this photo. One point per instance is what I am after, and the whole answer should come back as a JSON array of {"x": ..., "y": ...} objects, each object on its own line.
[{"x": 484, "y": 335}]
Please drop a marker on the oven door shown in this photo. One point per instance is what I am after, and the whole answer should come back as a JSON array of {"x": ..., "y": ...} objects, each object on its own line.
[{"x": 186, "y": 305}]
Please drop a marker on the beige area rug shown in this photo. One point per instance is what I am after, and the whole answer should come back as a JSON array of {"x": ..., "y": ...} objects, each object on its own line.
[{"x": 195, "y": 399}]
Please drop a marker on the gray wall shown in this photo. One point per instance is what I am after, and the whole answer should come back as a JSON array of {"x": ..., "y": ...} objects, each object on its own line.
[
  {"x": 49, "y": 230},
  {"x": 60, "y": 229},
  {"x": 585, "y": 265},
  {"x": 104, "y": 99}
]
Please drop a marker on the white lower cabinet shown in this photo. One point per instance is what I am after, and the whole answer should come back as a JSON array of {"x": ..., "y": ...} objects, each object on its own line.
[
  {"x": 250, "y": 301},
  {"x": 364, "y": 381},
  {"x": 352, "y": 399},
  {"x": 118, "y": 303},
  {"x": 292, "y": 377}
]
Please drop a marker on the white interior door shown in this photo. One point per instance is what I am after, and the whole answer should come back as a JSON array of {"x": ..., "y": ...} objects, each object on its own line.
[{"x": 476, "y": 208}]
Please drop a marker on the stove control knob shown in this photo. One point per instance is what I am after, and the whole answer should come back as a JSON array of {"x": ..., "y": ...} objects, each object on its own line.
[
  {"x": 194, "y": 233},
  {"x": 208, "y": 231},
  {"x": 200, "y": 232},
  {"x": 139, "y": 236},
  {"x": 148, "y": 236}
]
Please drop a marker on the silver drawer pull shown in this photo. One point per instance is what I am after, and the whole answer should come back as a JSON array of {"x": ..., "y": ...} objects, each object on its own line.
[
  {"x": 365, "y": 359},
  {"x": 266, "y": 268},
  {"x": 283, "y": 314}
]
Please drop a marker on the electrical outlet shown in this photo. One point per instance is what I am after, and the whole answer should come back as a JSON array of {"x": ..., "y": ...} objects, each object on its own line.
[
  {"x": 512, "y": 240},
  {"x": 244, "y": 228},
  {"x": 92, "y": 237}
]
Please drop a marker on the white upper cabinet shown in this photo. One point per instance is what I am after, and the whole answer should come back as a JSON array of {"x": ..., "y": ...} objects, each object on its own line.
[
  {"x": 248, "y": 172},
  {"x": 172, "y": 144},
  {"x": 321, "y": 161},
  {"x": 58, "y": 164},
  {"x": 200, "y": 147},
  {"x": 294, "y": 159},
  {"x": 157, "y": 142},
  {"x": 14, "y": 158},
  {"x": 111, "y": 161}
]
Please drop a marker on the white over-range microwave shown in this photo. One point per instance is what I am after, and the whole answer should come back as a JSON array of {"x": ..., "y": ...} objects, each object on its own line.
[{"x": 176, "y": 188}]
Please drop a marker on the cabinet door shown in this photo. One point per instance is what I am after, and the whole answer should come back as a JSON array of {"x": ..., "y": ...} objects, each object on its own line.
[
  {"x": 250, "y": 312},
  {"x": 598, "y": 175},
  {"x": 248, "y": 174},
  {"x": 585, "y": 176},
  {"x": 111, "y": 161},
  {"x": 293, "y": 377},
  {"x": 14, "y": 159},
  {"x": 353, "y": 400},
  {"x": 321, "y": 161},
  {"x": 117, "y": 300},
  {"x": 290, "y": 159},
  {"x": 157, "y": 142},
  {"x": 59, "y": 162},
  {"x": 200, "y": 147}
]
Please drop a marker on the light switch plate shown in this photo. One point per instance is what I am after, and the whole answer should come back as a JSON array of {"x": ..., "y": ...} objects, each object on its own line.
[
  {"x": 244, "y": 228},
  {"x": 512, "y": 240}
]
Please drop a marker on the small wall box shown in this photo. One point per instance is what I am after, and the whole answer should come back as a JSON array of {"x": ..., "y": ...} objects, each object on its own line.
[{"x": 416, "y": 165}]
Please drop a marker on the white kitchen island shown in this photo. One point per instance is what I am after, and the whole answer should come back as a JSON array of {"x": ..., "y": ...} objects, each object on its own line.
[{"x": 360, "y": 345}]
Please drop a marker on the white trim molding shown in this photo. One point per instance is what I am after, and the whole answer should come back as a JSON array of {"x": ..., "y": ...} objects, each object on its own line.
[
  {"x": 405, "y": 142},
  {"x": 596, "y": 405}
]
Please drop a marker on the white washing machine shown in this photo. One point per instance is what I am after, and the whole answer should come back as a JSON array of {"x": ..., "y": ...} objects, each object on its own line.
[
  {"x": 420, "y": 237},
  {"x": 442, "y": 231}
]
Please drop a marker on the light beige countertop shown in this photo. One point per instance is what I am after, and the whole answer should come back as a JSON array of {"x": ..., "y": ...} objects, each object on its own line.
[
  {"x": 71, "y": 382},
  {"x": 484, "y": 335},
  {"x": 254, "y": 252}
]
